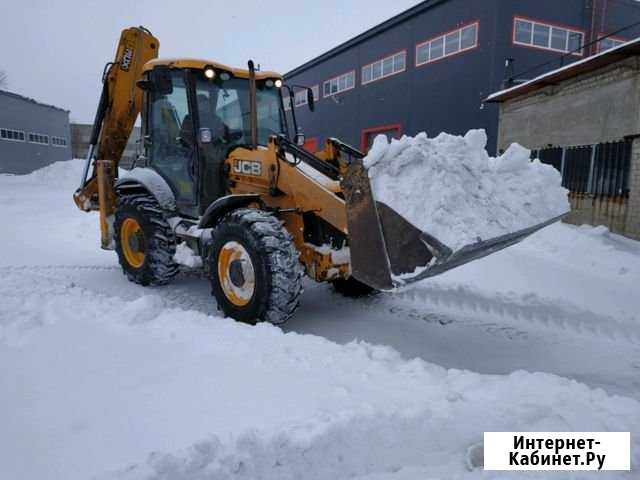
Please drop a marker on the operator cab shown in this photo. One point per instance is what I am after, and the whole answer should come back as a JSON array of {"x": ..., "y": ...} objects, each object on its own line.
[{"x": 197, "y": 112}]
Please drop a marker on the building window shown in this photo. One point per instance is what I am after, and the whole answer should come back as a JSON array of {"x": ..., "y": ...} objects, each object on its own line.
[
  {"x": 385, "y": 67},
  {"x": 369, "y": 134},
  {"x": 339, "y": 84},
  {"x": 547, "y": 37},
  {"x": 459, "y": 40},
  {"x": 300, "y": 97},
  {"x": 59, "y": 141},
  {"x": 285, "y": 102},
  {"x": 39, "y": 138},
  {"x": 9, "y": 134},
  {"x": 609, "y": 43}
]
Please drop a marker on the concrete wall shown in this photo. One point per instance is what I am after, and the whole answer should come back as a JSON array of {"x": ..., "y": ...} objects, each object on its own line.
[
  {"x": 29, "y": 116},
  {"x": 80, "y": 134},
  {"x": 598, "y": 107}
]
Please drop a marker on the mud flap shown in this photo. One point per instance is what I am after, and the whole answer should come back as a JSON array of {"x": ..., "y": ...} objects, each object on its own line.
[{"x": 387, "y": 251}]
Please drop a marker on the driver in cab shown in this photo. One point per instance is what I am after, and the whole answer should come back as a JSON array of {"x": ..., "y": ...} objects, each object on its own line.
[{"x": 208, "y": 119}]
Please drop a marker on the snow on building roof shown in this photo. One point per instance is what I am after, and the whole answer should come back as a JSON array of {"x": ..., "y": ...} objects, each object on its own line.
[
  {"x": 30, "y": 100},
  {"x": 589, "y": 64}
]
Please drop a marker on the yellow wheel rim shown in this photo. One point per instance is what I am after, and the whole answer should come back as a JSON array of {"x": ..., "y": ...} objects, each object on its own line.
[
  {"x": 236, "y": 274},
  {"x": 132, "y": 241}
]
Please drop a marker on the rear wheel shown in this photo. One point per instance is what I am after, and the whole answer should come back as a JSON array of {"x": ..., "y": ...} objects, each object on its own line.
[
  {"x": 145, "y": 242},
  {"x": 350, "y": 287},
  {"x": 255, "y": 272}
]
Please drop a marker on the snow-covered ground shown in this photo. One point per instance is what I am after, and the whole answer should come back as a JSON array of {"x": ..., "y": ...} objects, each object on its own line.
[{"x": 101, "y": 378}]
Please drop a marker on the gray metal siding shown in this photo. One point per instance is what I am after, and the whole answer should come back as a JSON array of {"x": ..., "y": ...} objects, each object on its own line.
[
  {"x": 22, "y": 114},
  {"x": 445, "y": 95}
]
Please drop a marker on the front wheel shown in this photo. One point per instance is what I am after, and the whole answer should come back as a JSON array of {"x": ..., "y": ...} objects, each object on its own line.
[
  {"x": 144, "y": 240},
  {"x": 255, "y": 272}
]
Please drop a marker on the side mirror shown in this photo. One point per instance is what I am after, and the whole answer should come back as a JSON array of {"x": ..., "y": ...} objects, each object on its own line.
[
  {"x": 299, "y": 139},
  {"x": 161, "y": 79},
  {"x": 145, "y": 85},
  {"x": 310, "y": 100}
]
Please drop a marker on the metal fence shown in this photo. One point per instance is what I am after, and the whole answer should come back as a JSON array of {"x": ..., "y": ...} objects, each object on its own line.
[
  {"x": 597, "y": 177},
  {"x": 601, "y": 170}
]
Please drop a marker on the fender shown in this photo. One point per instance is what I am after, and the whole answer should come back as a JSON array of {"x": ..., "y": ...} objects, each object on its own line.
[
  {"x": 149, "y": 180},
  {"x": 223, "y": 205}
]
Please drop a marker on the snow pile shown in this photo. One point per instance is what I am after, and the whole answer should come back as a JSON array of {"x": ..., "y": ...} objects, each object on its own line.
[
  {"x": 58, "y": 174},
  {"x": 93, "y": 384},
  {"x": 451, "y": 188}
]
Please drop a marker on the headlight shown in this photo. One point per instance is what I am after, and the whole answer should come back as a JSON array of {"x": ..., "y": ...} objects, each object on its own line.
[
  {"x": 209, "y": 72},
  {"x": 278, "y": 83}
]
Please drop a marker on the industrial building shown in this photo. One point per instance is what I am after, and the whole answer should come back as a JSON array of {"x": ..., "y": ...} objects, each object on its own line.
[
  {"x": 81, "y": 134},
  {"x": 32, "y": 134},
  {"x": 584, "y": 119},
  {"x": 429, "y": 68}
]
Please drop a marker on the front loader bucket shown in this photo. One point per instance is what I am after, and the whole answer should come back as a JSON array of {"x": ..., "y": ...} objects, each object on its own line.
[
  {"x": 406, "y": 270},
  {"x": 387, "y": 251}
]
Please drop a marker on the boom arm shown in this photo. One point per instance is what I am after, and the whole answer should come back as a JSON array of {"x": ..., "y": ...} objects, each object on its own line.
[{"x": 120, "y": 104}]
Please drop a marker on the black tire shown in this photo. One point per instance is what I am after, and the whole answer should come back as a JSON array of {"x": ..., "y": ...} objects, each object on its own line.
[
  {"x": 353, "y": 288},
  {"x": 275, "y": 292},
  {"x": 157, "y": 242}
]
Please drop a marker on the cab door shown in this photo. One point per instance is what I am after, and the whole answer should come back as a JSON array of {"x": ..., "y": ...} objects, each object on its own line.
[{"x": 172, "y": 147}]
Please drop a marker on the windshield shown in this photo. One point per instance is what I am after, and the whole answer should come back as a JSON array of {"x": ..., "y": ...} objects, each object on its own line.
[{"x": 223, "y": 106}]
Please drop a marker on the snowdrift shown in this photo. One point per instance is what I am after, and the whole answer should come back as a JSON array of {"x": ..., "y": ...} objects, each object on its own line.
[
  {"x": 154, "y": 392},
  {"x": 449, "y": 186},
  {"x": 62, "y": 174}
]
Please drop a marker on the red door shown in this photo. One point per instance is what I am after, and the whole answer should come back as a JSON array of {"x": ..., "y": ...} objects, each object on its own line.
[
  {"x": 368, "y": 134},
  {"x": 311, "y": 145}
]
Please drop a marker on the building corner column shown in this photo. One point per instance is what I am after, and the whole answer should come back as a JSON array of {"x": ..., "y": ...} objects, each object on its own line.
[{"x": 633, "y": 207}]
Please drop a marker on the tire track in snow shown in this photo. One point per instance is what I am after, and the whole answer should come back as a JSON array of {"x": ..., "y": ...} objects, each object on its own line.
[
  {"x": 529, "y": 308},
  {"x": 432, "y": 303}
]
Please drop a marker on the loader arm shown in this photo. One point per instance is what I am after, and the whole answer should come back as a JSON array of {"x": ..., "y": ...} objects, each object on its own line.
[{"x": 118, "y": 109}]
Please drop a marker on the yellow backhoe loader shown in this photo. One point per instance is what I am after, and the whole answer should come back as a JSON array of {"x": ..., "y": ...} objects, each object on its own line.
[{"x": 222, "y": 174}]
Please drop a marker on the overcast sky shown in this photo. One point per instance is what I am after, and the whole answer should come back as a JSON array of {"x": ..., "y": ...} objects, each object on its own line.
[{"x": 54, "y": 51}]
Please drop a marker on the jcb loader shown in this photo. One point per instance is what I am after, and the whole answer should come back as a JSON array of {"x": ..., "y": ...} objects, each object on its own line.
[{"x": 223, "y": 174}]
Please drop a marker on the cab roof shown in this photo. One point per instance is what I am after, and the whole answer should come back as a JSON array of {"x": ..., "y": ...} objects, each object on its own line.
[{"x": 200, "y": 64}]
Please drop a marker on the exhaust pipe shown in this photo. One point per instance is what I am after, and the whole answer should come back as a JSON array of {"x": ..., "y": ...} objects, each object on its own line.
[{"x": 253, "y": 105}]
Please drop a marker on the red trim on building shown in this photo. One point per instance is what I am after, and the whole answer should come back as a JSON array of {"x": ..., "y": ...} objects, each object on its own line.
[
  {"x": 311, "y": 145},
  {"x": 385, "y": 56},
  {"x": 391, "y": 55},
  {"x": 546, "y": 24},
  {"x": 338, "y": 76},
  {"x": 442, "y": 35},
  {"x": 383, "y": 128}
]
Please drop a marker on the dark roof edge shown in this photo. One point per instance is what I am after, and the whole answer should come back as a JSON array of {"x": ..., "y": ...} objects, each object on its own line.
[
  {"x": 381, "y": 27},
  {"x": 31, "y": 100}
]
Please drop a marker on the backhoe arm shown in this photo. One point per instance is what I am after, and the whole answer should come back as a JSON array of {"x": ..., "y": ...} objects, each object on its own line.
[{"x": 120, "y": 104}]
